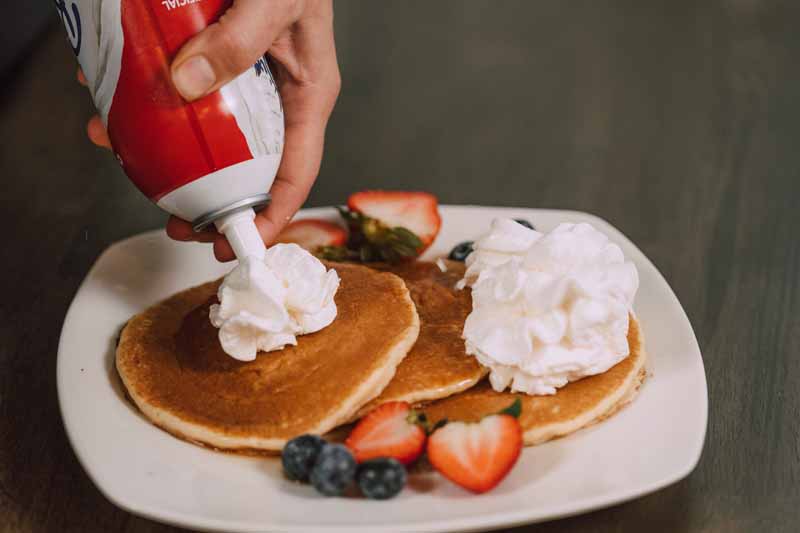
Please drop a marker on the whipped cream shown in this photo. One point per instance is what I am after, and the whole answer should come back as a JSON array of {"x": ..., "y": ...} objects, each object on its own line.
[
  {"x": 266, "y": 303},
  {"x": 506, "y": 241},
  {"x": 547, "y": 309}
]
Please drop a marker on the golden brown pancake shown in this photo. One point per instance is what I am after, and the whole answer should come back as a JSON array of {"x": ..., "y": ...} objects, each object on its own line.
[
  {"x": 438, "y": 365},
  {"x": 574, "y": 406},
  {"x": 171, "y": 362}
]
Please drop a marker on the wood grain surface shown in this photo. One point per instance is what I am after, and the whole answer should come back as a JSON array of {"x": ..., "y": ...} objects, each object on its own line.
[{"x": 677, "y": 121}]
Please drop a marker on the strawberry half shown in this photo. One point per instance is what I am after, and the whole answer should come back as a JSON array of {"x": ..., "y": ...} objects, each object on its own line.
[
  {"x": 415, "y": 211},
  {"x": 312, "y": 234},
  {"x": 390, "y": 430},
  {"x": 477, "y": 456}
]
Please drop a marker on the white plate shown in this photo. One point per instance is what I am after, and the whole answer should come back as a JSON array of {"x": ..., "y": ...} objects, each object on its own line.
[{"x": 655, "y": 441}]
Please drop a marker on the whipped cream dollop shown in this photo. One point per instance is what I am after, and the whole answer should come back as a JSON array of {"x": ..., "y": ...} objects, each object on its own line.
[
  {"x": 547, "y": 309},
  {"x": 265, "y": 304}
]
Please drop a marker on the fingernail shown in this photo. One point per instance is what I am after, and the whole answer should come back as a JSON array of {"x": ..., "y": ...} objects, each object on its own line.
[{"x": 194, "y": 77}]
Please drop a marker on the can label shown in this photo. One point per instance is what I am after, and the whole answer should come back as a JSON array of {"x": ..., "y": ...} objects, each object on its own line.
[{"x": 125, "y": 48}]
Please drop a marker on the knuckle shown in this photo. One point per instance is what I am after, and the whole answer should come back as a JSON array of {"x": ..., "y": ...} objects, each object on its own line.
[
  {"x": 332, "y": 90},
  {"x": 336, "y": 84},
  {"x": 324, "y": 93},
  {"x": 232, "y": 48}
]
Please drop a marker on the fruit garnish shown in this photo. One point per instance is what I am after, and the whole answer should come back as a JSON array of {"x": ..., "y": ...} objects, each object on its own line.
[
  {"x": 524, "y": 222},
  {"x": 333, "y": 470},
  {"x": 313, "y": 234},
  {"x": 299, "y": 455},
  {"x": 477, "y": 456},
  {"x": 388, "y": 226},
  {"x": 415, "y": 212},
  {"x": 381, "y": 478},
  {"x": 461, "y": 251},
  {"x": 393, "y": 429}
]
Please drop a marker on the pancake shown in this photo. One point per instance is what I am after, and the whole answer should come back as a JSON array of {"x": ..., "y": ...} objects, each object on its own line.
[
  {"x": 576, "y": 405},
  {"x": 171, "y": 362},
  {"x": 438, "y": 365}
]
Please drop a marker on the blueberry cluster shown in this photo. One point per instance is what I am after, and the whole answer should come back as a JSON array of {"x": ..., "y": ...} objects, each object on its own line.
[{"x": 331, "y": 469}]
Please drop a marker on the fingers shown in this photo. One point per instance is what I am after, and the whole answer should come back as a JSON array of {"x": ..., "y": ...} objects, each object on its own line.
[
  {"x": 180, "y": 230},
  {"x": 309, "y": 82},
  {"x": 97, "y": 132},
  {"x": 308, "y": 79},
  {"x": 298, "y": 171},
  {"x": 94, "y": 129},
  {"x": 299, "y": 168},
  {"x": 230, "y": 46},
  {"x": 308, "y": 53}
]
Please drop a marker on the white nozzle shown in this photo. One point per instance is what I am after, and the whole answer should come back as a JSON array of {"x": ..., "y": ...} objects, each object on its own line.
[{"x": 242, "y": 234}]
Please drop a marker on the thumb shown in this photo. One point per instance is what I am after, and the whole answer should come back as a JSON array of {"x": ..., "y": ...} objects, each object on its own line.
[{"x": 230, "y": 46}]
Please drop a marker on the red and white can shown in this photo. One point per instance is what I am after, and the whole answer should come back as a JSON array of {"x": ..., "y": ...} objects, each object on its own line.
[{"x": 196, "y": 160}]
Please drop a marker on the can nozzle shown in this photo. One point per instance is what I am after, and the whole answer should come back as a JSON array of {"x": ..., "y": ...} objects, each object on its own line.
[{"x": 242, "y": 233}]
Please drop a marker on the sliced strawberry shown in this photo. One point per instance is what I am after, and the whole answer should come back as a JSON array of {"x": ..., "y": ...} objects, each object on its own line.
[
  {"x": 415, "y": 211},
  {"x": 476, "y": 456},
  {"x": 390, "y": 430},
  {"x": 311, "y": 234}
]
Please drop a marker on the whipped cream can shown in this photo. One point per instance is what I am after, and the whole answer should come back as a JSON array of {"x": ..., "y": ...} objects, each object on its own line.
[{"x": 201, "y": 160}]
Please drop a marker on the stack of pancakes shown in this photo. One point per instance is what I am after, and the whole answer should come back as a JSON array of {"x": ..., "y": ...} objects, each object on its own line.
[{"x": 397, "y": 336}]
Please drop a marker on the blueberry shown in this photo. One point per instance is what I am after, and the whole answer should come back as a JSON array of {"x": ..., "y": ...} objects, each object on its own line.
[
  {"x": 299, "y": 455},
  {"x": 524, "y": 222},
  {"x": 461, "y": 251},
  {"x": 382, "y": 478},
  {"x": 334, "y": 469}
]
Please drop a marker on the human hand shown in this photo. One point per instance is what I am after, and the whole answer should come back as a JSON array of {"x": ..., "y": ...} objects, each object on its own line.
[{"x": 298, "y": 35}]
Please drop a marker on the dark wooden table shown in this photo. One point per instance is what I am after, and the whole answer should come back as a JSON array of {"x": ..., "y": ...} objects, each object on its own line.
[{"x": 678, "y": 121}]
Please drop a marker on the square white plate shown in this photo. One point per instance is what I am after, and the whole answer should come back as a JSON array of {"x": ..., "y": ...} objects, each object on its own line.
[{"x": 655, "y": 441}]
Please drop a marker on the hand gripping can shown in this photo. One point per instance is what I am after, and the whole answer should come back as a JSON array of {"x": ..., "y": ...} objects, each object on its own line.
[{"x": 201, "y": 160}]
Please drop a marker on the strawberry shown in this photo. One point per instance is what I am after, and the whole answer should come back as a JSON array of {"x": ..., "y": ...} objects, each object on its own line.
[
  {"x": 313, "y": 234},
  {"x": 477, "y": 456},
  {"x": 390, "y": 226},
  {"x": 417, "y": 212},
  {"x": 390, "y": 430}
]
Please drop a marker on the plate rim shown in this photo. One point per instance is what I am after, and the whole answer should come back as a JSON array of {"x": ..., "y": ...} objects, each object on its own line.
[{"x": 494, "y": 520}]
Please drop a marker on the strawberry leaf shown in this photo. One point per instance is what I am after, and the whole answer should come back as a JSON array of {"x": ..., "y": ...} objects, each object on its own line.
[
  {"x": 365, "y": 253},
  {"x": 515, "y": 409},
  {"x": 371, "y": 240},
  {"x": 404, "y": 251},
  {"x": 439, "y": 424},
  {"x": 334, "y": 253},
  {"x": 407, "y": 237},
  {"x": 417, "y": 418}
]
